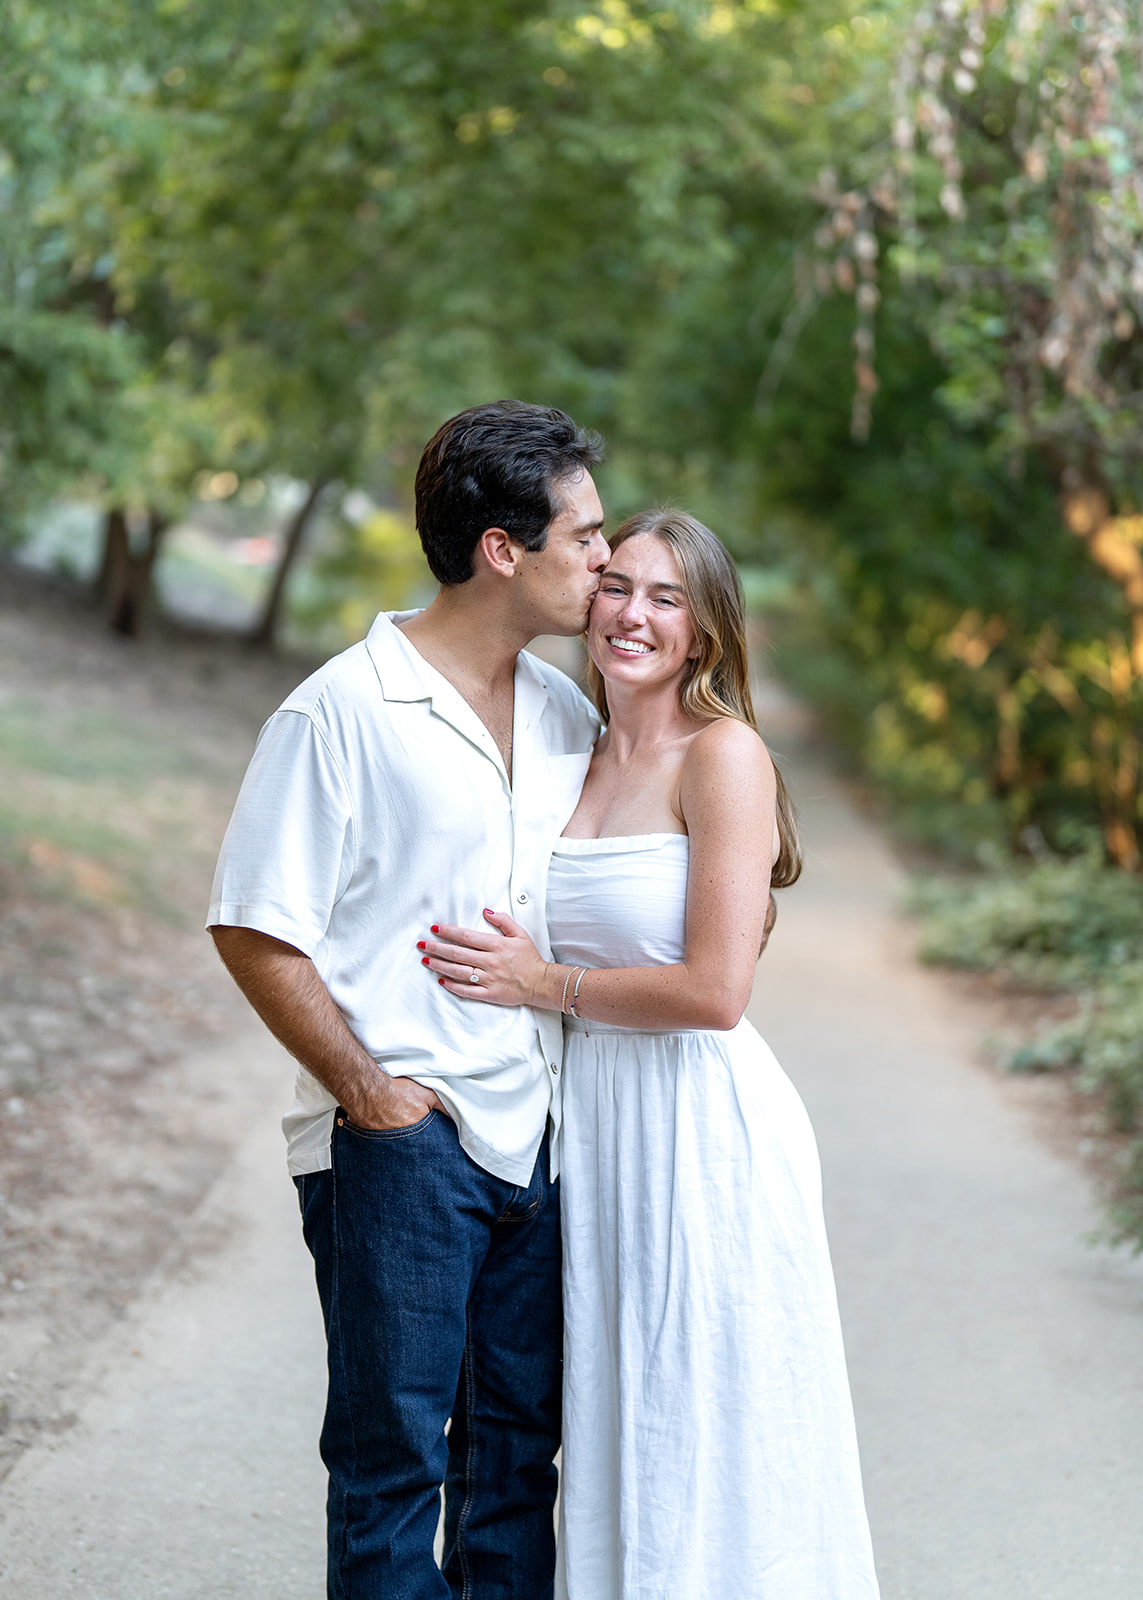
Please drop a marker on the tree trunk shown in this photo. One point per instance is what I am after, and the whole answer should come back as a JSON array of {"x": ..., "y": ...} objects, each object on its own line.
[
  {"x": 124, "y": 579},
  {"x": 114, "y": 530},
  {"x": 264, "y": 633}
]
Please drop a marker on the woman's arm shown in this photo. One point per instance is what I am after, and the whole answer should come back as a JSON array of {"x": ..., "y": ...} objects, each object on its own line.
[{"x": 727, "y": 799}]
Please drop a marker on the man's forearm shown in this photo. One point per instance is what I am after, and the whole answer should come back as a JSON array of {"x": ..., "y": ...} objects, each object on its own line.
[{"x": 284, "y": 988}]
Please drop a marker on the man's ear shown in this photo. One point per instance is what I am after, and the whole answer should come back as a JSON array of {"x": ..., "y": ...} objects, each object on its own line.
[{"x": 500, "y": 552}]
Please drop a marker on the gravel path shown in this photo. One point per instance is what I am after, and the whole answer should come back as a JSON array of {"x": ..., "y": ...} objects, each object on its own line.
[{"x": 997, "y": 1361}]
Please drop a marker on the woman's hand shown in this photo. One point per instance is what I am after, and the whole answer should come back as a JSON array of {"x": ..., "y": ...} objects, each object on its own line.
[{"x": 501, "y": 967}]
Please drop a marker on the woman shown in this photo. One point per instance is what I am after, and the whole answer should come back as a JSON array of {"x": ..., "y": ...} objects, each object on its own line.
[{"x": 709, "y": 1450}]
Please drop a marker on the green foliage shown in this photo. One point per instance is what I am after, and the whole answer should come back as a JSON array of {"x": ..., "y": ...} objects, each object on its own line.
[
  {"x": 61, "y": 371},
  {"x": 318, "y": 232},
  {"x": 63, "y": 408},
  {"x": 261, "y": 239},
  {"x": 84, "y": 405},
  {"x": 1104, "y": 1044},
  {"x": 975, "y": 559},
  {"x": 371, "y": 218},
  {"x": 374, "y": 564},
  {"x": 960, "y": 606},
  {"x": 1063, "y": 925}
]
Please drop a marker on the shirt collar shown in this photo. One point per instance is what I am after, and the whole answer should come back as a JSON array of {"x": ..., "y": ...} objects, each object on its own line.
[
  {"x": 404, "y": 674},
  {"x": 531, "y": 694}
]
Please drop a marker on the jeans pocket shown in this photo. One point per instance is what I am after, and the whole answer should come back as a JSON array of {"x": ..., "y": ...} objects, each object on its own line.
[{"x": 343, "y": 1121}]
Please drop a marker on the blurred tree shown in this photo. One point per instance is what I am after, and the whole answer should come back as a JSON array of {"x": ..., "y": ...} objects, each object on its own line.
[
  {"x": 1033, "y": 120},
  {"x": 318, "y": 232},
  {"x": 66, "y": 362},
  {"x": 369, "y": 219},
  {"x": 993, "y": 248},
  {"x": 91, "y": 401}
]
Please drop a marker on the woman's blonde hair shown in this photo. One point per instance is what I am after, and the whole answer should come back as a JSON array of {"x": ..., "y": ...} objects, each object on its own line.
[{"x": 717, "y": 683}]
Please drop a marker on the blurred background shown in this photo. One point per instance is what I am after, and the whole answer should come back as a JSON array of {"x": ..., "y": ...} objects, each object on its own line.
[
  {"x": 860, "y": 285},
  {"x": 861, "y": 288}
]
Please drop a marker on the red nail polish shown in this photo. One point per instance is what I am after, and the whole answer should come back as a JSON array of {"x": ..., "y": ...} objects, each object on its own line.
[
  {"x": 424, "y": 961},
  {"x": 441, "y": 982},
  {"x": 488, "y": 911},
  {"x": 420, "y": 944},
  {"x": 434, "y": 929}
]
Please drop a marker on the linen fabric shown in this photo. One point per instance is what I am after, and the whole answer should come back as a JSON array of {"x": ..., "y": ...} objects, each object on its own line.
[
  {"x": 709, "y": 1444},
  {"x": 377, "y": 804}
]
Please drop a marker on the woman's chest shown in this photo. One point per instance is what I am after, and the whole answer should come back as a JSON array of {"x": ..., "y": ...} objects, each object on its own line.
[{"x": 635, "y": 796}]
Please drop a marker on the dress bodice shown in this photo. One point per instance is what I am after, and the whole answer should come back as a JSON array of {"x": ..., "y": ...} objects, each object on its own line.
[{"x": 619, "y": 902}]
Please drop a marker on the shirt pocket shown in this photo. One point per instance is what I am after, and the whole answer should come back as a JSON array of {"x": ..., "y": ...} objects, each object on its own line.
[{"x": 566, "y": 775}]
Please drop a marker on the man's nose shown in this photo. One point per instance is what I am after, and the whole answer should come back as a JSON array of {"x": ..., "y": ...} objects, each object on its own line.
[{"x": 600, "y": 553}]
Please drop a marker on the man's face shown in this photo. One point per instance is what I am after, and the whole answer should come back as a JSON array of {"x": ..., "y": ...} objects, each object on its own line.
[{"x": 561, "y": 579}]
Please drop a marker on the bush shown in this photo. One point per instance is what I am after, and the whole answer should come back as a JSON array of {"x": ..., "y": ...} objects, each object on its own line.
[{"x": 1063, "y": 926}]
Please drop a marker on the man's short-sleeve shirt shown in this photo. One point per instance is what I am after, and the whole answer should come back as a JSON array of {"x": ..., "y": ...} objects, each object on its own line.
[{"x": 376, "y": 804}]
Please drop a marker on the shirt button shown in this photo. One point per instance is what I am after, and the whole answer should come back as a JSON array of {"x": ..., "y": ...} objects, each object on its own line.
[
  {"x": 554, "y": 1066},
  {"x": 522, "y": 898}
]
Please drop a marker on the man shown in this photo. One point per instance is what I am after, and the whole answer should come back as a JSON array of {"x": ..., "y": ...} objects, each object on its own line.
[{"x": 420, "y": 777}]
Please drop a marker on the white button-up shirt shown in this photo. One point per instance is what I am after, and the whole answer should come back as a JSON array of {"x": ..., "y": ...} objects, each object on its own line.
[{"x": 376, "y": 804}]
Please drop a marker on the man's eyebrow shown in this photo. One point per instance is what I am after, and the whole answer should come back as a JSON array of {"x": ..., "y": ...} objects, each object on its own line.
[{"x": 675, "y": 588}]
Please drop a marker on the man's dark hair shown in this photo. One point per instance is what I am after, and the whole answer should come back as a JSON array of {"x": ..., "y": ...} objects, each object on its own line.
[{"x": 495, "y": 466}]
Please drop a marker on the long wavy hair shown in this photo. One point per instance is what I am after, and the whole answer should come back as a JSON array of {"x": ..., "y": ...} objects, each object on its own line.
[{"x": 717, "y": 683}]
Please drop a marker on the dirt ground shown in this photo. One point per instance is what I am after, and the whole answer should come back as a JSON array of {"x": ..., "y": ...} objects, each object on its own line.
[{"x": 119, "y": 762}]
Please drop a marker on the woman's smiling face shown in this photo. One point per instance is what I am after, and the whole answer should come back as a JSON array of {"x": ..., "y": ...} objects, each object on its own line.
[{"x": 640, "y": 631}]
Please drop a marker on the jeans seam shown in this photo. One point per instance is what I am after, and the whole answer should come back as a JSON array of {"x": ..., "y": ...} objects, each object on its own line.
[
  {"x": 508, "y": 1215},
  {"x": 386, "y": 1135},
  {"x": 335, "y": 1300},
  {"x": 469, "y": 1462}
]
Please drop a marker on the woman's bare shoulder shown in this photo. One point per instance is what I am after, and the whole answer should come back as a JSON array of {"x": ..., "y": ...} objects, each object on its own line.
[
  {"x": 726, "y": 742},
  {"x": 726, "y": 754}
]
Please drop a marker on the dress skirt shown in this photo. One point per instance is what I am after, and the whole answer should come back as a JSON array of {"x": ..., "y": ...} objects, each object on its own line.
[{"x": 709, "y": 1446}]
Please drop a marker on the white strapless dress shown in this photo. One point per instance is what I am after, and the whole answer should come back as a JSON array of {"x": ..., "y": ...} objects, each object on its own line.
[{"x": 709, "y": 1449}]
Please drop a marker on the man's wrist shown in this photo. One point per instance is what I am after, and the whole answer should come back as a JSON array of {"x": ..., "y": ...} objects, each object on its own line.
[{"x": 372, "y": 1094}]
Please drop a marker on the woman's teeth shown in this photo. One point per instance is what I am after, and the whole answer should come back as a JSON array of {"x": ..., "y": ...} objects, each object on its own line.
[{"x": 632, "y": 646}]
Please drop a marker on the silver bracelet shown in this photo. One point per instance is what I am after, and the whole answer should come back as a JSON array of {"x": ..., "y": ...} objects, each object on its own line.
[
  {"x": 572, "y": 1012},
  {"x": 564, "y": 996}
]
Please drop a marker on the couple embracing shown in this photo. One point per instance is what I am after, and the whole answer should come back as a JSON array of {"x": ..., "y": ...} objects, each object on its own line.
[{"x": 510, "y": 937}]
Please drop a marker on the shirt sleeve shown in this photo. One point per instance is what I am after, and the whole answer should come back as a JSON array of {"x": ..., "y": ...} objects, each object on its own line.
[{"x": 288, "y": 853}]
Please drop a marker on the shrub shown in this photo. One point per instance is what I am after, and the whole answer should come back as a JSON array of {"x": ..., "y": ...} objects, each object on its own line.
[{"x": 1060, "y": 924}]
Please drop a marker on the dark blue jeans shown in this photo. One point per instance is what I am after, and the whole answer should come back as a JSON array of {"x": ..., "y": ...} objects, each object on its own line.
[{"x": 440, "y": 1286}]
